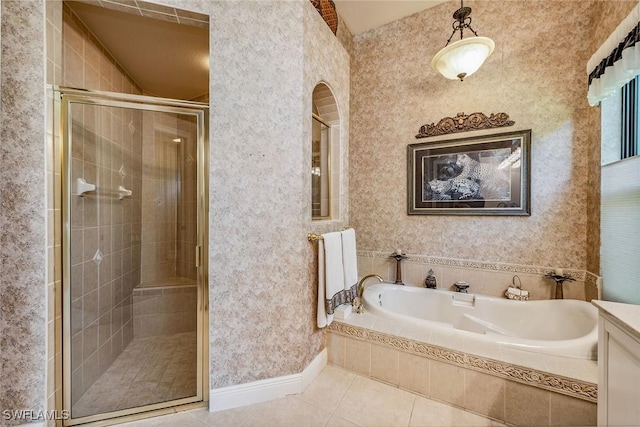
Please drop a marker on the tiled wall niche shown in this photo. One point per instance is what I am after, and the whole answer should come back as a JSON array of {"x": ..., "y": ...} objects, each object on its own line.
[
  {"x": 507, "y": 393},
  {"x": 483, "y": 277}
]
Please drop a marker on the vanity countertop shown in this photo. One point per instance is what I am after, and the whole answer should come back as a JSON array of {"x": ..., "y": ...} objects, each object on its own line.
[{"x": 627, "y": 315}]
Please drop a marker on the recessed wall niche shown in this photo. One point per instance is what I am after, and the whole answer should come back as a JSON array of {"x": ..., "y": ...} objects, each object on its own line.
[{"x": 325, "y": 146}]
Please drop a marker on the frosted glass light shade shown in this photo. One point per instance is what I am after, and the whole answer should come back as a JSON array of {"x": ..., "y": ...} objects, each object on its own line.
[{"x": 462, "y": 58}]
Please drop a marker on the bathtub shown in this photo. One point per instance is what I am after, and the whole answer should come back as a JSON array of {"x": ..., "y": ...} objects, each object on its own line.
[{"x": 566, "y": 328}]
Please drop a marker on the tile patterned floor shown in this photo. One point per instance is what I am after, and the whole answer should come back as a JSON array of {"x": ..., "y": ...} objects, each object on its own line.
[
  {"x": 149, "y": 370},
  {"x": 337, "y": 398}
]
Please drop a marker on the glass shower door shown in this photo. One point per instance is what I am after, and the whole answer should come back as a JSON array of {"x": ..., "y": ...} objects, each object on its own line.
[{"x": 133, "y": 284}]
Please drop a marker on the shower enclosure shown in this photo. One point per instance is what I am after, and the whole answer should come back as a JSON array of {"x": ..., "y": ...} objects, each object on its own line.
[{"x": 134, "y": 300}]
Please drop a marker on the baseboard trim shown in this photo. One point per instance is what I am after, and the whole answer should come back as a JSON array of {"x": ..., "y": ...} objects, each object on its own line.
[{"x": 239, "y": 395}]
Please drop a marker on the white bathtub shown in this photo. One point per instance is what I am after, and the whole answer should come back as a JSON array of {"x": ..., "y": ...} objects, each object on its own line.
[{"x": 566, "y": 328}]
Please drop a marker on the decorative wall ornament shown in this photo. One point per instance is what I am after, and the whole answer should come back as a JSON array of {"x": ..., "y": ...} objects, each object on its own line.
[
  {"x": 464, "y": 123},
  {"x": 557, "y": 383},
  {"x": 327, "y": 9}
]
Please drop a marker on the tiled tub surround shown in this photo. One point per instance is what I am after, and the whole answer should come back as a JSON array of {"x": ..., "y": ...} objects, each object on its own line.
[
  {"x": 488, "y": 278},
  {"x": 164, "y": 308},
  {"x": 510, "y": 386}
]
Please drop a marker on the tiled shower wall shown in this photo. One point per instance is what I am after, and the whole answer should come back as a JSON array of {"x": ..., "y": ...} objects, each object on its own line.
[
  {"x": 159, "y": 207},
  {"x": 169, "y": 206},
  {"x": 105, "y": 242},
  {"x": 187, "y": 200},
  {"x": 105, "y": 236}
]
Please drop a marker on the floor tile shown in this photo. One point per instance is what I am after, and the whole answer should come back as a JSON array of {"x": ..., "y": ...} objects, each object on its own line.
[
  {"x": 182, "y": 419},
  {"x": 427, "y": 412},
  {"x": 285, "y": 412},
  {"x": 230, "y": 417},
  {"x": 328, "y": 389},
  {"x": 350, "y": 400},
  {"x": 371, "y": 403},
  {"x": 336, "y": 421}
]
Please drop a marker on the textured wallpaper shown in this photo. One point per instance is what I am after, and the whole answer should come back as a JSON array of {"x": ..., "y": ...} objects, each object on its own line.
[
  {"x": 536, "y": 75},
  {"x": 326, "y": 60},
  {"x": 261, "y": 265},
  {"x": 23, "y": 231},
  {"x": 262, "y": 268}
]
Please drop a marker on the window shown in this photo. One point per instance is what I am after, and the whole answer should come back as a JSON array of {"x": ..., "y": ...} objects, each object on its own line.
[
  {"x": 320, "y": 172},
  {"x": 621, "y": 123},
  {"x": 629, "y": 122},
  {"x": 325, "y": 155},
  {"x": 620, "y": 195}
]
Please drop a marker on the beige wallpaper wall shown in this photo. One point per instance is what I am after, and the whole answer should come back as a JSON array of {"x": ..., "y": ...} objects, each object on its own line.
[
  {"x": 262, "y": 281},
  {"x": 326, "y": 60},
  {"x": 536, "y": 75},
  {"x": 23, "y": 220}
]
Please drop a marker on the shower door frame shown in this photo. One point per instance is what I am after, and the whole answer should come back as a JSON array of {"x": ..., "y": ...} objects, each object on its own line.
[{"x": 66, "y": 97}]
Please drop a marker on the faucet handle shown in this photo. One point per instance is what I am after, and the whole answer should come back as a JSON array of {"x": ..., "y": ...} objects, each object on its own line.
[
  {"x": 430, "y": 281},
  {"x": 461, "y": 287}
]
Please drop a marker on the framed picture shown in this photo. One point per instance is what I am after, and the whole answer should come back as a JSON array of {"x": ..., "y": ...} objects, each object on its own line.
[{"x": 484, "y": 175}]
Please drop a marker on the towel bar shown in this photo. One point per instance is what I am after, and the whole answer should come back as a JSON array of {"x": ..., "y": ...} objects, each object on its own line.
[{"x": 313, "y": 237}]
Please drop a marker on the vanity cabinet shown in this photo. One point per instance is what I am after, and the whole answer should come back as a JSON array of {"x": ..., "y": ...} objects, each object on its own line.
[{"x": 618, "y": 364}]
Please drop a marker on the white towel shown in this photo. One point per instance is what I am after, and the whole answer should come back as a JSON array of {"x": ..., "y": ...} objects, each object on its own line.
[
  {"x": 349, "y": 258},
  {"x": 330, "y": 273}
]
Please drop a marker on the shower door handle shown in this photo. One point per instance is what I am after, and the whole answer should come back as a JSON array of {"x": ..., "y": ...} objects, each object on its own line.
[{"x": 198, "y": 251}]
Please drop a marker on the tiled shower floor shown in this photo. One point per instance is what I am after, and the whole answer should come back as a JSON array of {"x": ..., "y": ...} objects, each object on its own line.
[{"x": 149, "y": 370}]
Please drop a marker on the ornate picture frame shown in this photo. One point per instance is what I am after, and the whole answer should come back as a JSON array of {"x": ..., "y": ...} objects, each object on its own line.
[{"x": 481, "y": 175}]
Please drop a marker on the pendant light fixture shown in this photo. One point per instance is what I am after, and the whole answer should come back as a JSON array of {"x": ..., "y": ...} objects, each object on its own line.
[{"x": 464, "y": 57}]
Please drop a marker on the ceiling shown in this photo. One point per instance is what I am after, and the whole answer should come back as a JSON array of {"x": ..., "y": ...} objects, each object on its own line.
[
  {"x": 166, "y": 59},
  {"x": 166, "y": 50},
  {"x": 364, "y": 15}
]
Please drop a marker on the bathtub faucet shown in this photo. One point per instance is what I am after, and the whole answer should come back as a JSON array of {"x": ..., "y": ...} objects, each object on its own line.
[
  {"x": 461, "y": 287},
  {"x": 357, "y": 302}
]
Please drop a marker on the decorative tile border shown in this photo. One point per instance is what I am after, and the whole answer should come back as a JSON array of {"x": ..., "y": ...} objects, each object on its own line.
[
  {"x": 591, "y": 279},
  {"x": 579, "y": 275},
  {"x": 556, "y": 383}
]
